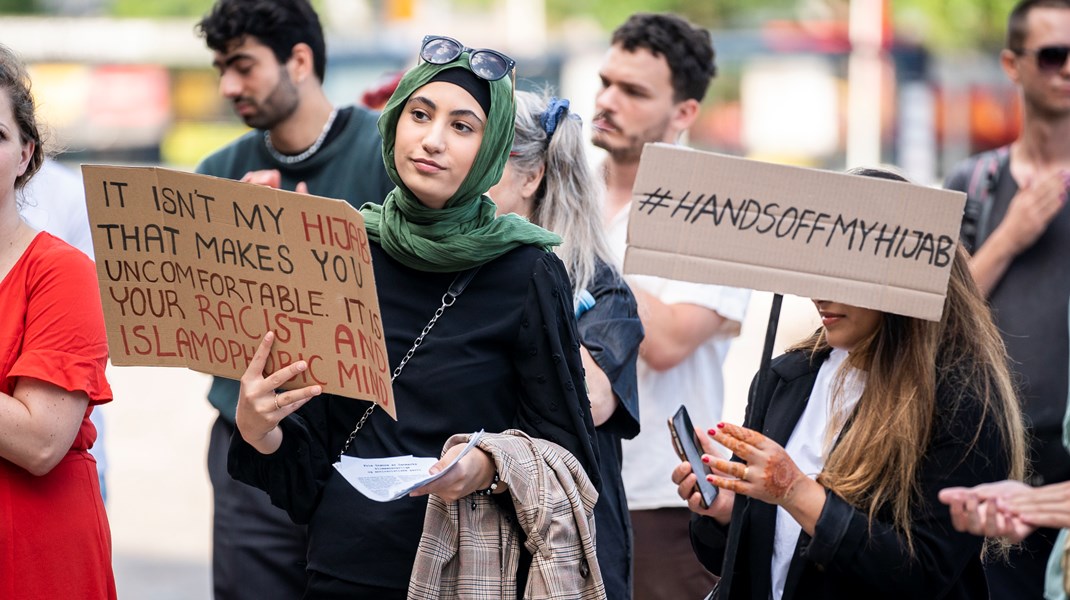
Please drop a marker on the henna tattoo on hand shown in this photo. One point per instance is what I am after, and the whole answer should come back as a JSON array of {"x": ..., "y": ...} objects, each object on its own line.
[
  {"x": 732, "y": 485},
  {"x": 743, "y": 434},
  {"x": 735, "y": 445},
  {"x": 779, "y": 476},
  {"x": 779, "y": 473},
  {"x": 750, "y": 436}
]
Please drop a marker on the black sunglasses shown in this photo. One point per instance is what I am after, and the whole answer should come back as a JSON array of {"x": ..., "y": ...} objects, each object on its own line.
[
  {"x": 1049, "y": 58},
  {"x": 486, "y": 64}
]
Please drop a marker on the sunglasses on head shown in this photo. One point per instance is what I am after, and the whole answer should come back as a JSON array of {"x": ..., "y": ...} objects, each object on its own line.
[
  {"x": 1049, "y": 58},
  {"x": 486, "y": 64}
]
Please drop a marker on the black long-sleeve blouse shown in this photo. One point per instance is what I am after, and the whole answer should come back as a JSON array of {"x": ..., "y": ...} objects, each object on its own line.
[
  {"x": 504, "y": 355},
  {"x": 611, "y": 332},
  {"x": 848, "y": 556}
]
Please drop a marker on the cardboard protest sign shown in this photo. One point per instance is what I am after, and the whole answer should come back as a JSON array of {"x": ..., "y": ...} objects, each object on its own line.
[
  {"x": 709, "y": 218},
  {"x": 194, "y": 270}
]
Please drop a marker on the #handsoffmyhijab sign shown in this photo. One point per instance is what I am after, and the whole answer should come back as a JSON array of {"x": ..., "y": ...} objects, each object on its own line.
[
  {"x": 875, "y": 243},
  {"x": 194, "y": 270}
]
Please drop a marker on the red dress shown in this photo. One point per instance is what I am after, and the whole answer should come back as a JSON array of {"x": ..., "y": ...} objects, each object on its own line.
[{"x": 54, "y": 536}]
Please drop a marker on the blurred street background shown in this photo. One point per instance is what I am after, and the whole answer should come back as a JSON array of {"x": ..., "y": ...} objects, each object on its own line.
[{"x": 821, "y": 83}]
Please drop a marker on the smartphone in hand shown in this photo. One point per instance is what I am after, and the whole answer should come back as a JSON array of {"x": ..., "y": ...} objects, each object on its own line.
[{"x": 687, "y": 447}]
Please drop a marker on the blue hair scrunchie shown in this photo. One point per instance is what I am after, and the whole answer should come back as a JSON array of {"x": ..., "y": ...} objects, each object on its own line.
[{"x": 554, "y": 110}]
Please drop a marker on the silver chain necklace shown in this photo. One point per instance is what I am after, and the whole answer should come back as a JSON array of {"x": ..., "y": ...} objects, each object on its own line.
[{"x": 296, "y": 158}]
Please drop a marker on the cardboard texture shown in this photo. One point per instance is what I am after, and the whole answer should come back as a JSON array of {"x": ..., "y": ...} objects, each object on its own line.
[
  {"x": 194, "y": 270},
  {"x": 709, "y": 218}
]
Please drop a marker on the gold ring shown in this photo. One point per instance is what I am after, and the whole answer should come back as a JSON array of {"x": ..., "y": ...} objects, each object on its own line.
[
  {"x": 277, "y": 407},
  {"x": 745, "y": 469}
]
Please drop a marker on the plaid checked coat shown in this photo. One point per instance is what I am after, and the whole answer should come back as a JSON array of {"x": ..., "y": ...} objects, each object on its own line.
[{"x": 470, "y": 548}]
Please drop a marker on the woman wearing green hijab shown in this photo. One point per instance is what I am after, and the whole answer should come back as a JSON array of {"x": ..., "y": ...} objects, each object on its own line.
[{"x": 504, "y": 354}]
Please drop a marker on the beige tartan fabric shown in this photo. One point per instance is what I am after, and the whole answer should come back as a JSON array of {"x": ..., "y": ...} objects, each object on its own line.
[
  {"x": 470, "y": 548},
  {"x": 1066, "y": 566}
]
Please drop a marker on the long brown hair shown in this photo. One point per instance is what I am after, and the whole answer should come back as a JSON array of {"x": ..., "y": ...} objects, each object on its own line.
[{"x": 906, "y": 360}]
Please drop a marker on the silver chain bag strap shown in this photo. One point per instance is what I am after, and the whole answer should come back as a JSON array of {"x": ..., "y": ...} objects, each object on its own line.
[{"x": 460, "y": 282}]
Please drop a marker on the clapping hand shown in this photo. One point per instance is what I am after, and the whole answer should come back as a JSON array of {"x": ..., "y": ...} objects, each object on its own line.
[
  {"x": 1009, "y": 509},
  {"x": 1033, "y": 208},
  {"x": 982, "y": 509}
]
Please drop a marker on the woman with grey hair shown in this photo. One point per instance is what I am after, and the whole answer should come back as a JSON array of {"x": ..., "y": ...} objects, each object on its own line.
[{"x": 548, "y": 181}]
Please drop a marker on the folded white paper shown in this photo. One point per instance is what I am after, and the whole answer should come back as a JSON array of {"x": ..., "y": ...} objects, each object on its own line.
[{"x": 386, "y": 479}]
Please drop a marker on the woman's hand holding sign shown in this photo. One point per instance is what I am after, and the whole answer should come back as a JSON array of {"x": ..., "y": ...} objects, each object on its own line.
[{"x": 260, "y": 408}]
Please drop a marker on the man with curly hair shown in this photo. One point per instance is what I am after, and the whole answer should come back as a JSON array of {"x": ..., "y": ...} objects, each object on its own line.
[
  {"x": 654, "y": 78},
  {"x": 271, "y": 58}
]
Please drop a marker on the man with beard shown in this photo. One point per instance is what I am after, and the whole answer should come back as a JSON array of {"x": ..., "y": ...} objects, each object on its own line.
[
  {"x": 271, "y": 59},
  {"x": 1019, "y": 231},
  {"x": 654, "y": 77}
]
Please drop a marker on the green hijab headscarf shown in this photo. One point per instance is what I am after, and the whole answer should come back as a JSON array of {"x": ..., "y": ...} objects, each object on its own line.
[{"x": 464, "y": 233}]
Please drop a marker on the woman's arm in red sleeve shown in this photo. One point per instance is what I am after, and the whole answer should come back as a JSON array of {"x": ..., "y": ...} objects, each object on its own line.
[{"x": 40, "y": 421}]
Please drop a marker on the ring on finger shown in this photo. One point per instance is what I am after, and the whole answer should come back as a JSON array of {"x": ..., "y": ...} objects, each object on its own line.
[
  {"x": 745, "y": 469},
  {"x": 277, "y": 407}
]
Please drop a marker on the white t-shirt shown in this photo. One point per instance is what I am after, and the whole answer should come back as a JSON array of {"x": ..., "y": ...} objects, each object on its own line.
[
  {"x": 55, "y": 202},
  {"x": 807, "y": 446},
  {"x": 697, "y": 382}
]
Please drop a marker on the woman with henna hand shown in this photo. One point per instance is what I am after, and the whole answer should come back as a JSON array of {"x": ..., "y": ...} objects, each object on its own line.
[{"x": 832, "y": 488}]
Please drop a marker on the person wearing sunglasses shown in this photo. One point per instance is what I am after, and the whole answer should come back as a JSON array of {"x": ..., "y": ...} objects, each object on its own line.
[
  {"x": 1017, "y": 226},
  {"x": 500, "y": 354}
]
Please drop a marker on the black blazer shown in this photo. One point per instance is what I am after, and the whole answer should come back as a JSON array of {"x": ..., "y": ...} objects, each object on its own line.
[{"x": 846, "y": 557}]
